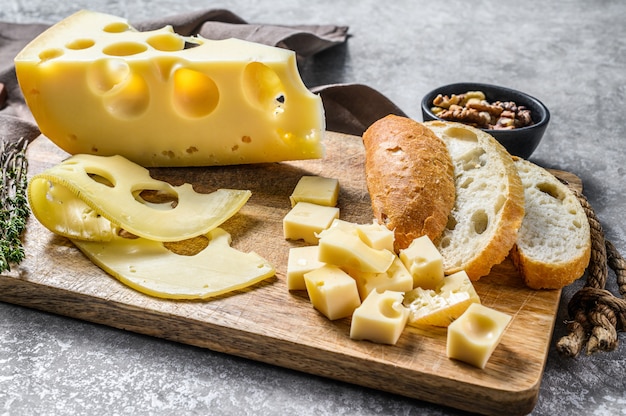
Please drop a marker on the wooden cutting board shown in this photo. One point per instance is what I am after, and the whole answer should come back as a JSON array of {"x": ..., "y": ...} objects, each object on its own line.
[{"x": 270, "y": 324}]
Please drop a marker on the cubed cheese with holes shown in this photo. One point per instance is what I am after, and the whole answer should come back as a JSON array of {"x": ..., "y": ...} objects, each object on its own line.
[
  {"x": 474, "y": 336},
  {"x": 316, "y": 190},
  {"x": 441, "y": 306},
  {"x": 91, "y": 197},
  {"x": 332, "y": 292},
  {"x": 381, "y": 318},
  {"x": 344, "y": 248},
  {"x": 424, "y": 262},
  {"x": 96, "y": 85},
  {"x": 397, "y": 278},
  {"x": 305, "y": 220},
  {"x": 301, "y": 260}
]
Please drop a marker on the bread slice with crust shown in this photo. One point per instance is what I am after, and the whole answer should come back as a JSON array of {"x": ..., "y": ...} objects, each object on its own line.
[
  {"x": 553, "y": 246},
  {"x": 489, "y": 209},
  {"x": 410, "y": 178}
]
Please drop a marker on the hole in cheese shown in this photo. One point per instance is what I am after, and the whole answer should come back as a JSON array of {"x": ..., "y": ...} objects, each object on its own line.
[
  {"x": 130, "y": 99},
  {"x": 195, "y": 94},
  {"x": 166, "y": 42},
  {"x": 117, "y": 27},
  {"x": 263, "y": 88},
  {"x": 49, "y": 54},
  {"x": 158, "y": 199},
  {"x": 480, "y": 328},
  {"x": 388, "y": 308},
  {"x": 124, "y": 49},
  {"x": 125, "y": 234},
  {"x": 101, "y": 179},
  {"x": 104, "y": 75},
  {"x": 188, "y": 247},
  {"x": 79, "y": 44}
]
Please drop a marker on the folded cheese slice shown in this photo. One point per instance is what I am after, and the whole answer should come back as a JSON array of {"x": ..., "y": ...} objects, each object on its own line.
[
  {"x": 159, "y": 239},
  {"x": 96, "y": 85},
  {"x": 89, "y": 197}
]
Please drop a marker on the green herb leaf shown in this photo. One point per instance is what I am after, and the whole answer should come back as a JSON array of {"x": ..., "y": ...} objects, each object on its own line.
[{"x": 14, "y": 210}]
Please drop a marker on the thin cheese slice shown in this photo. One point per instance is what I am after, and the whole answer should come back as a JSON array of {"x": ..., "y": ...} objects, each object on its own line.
[
  {"x": 92, "y": 197},
  {"x": 96, "y": 85},
  {"x": 151, "y": 268}
]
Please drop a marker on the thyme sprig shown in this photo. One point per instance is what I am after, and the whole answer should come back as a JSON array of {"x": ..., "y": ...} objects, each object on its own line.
[{"x": 14, "y": 210}]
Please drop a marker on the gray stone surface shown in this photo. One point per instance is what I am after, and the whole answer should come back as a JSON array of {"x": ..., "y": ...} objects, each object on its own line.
[{"x": 571, "y": 54}]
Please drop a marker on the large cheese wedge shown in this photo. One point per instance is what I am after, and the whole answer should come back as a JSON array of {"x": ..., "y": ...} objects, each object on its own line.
[
  {"x": 151, "y": 268},
  {"x": 96, "y": 85},
  {"x": 93, "y": 198}
]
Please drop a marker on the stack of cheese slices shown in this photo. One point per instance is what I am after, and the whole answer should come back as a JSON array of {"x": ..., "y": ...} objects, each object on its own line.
[{"x": 503, "y": 205}]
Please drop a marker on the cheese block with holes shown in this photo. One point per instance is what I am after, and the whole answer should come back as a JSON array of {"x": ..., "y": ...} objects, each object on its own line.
[{"x": 96, "y": 85}]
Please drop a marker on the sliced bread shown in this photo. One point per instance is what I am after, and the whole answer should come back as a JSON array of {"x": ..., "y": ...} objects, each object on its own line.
[
  {"x": 489, "y": 208},
  {"x": 553, "y": 246}
]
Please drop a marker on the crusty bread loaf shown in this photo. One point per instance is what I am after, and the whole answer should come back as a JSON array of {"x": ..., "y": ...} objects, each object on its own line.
[
  {"x": 553, "y": 246},
  {"x": 410, "y": 178},
  {"x": 489, "y": 208}
]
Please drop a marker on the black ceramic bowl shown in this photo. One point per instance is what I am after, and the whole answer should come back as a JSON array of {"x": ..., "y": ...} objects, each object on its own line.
[{"x": 521, "y": 141}]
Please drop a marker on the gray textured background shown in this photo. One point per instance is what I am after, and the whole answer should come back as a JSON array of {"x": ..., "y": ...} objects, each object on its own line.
[{"x": 571, "y": 54}]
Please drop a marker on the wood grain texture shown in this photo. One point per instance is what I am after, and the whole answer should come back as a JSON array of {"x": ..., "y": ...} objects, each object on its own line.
[{"x": 270, "y": 324}]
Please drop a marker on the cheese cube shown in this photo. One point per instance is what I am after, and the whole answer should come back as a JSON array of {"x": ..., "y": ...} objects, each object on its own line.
[
  {"x": 345, "y": 249},
  {"x": 381, "y": 318},
  {"x": 305, "y": 220},
  {"x": 316, "y": 190},
  {"x": 374, "y": 235},
  {"x": 441, "y": 306},
  {"x": 332, "y": 292},
  {"x": 397, "y": 278},
  {"x": 474, "y": 336},
  {"x": 96, "y": 85},
  {"x": 301, "y": 260},
  {"x": 424, "y": 262}
]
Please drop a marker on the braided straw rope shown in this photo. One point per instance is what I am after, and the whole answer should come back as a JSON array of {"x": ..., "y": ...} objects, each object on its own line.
[{"x": 597, "y": 314}]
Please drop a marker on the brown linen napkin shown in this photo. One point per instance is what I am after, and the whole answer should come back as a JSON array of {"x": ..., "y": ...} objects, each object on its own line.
[{"x": 350, "y": 108}]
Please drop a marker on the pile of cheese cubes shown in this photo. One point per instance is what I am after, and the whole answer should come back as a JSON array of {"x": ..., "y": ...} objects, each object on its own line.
[{"x": 351, "y": 270}]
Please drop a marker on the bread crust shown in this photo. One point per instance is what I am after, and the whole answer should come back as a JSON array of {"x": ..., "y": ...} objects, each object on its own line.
[
  {"x": 502, "y": 201},
  {"x": 410, "y": 178},
  {"x": 567, "y": 245}
]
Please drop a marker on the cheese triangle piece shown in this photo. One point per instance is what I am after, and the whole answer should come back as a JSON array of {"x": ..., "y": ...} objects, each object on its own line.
[{"x": 96, "y": 85}]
